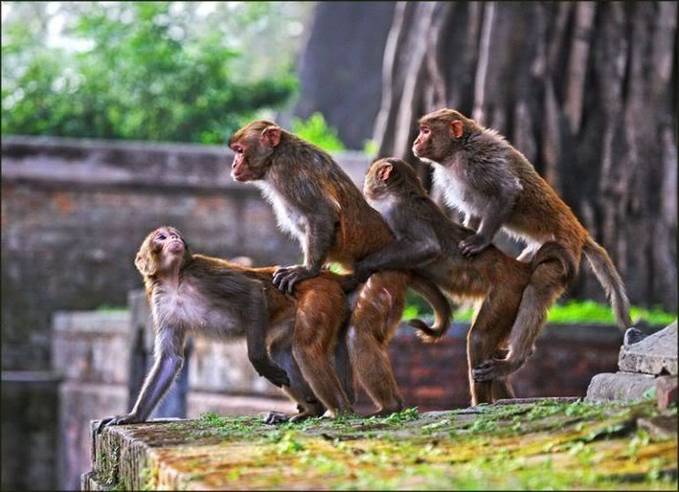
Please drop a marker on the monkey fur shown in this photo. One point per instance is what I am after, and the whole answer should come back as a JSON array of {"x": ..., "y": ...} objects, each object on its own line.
[
  {"x": 192, "y": 293},
  {"x": 479, "y": 173},
  {"x": 318, "y": 204}
]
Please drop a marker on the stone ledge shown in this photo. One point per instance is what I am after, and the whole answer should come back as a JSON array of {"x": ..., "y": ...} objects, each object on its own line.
[
  {"x": 434, "y": 450},
  {"x": 655, "y": 354},
  {"x": 622, "y": 386}
]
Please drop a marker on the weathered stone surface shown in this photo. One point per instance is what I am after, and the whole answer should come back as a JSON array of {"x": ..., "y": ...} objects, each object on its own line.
[
  {"x": 224, "y": 366},
  {"x": 29, "y": 430},
  {"x": 92, "y": 346},
  {"x": 666, "y": 391},
  {"x": 80, "y": 403},
  {"x": 75, "y": 211},
  {"x": 655, "y": 354},
  {"x": 619, "y": 386},
  {"x": 661, "y": 426},
  {"x": 525, "y": 401},
  {"x": 200, "y": 402},
  {"x": 545, "y": 445}
]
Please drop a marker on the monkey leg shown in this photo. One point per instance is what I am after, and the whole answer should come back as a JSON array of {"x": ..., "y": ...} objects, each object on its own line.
[
  {"x": 502, "y": 389},
  {"x": 550, "y": 277},
  {"x": 491, "y": 327},
  {"x": 343, "y": 364},
  {"x": 299, "y": 390},
  {"x": 373, "y": 322},
  {"x": 320, "y": 315}
]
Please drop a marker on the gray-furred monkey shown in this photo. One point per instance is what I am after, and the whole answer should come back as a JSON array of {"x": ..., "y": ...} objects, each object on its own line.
[{"x": 479, "y": 173}]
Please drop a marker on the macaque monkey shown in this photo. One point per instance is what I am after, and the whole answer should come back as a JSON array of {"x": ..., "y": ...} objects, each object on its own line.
[
  {"x": 479, "y": 173},
  {"x": 427, "y": 241},
  {"x": 191, "y": 293},
  {"x": 318, "y": 204}
]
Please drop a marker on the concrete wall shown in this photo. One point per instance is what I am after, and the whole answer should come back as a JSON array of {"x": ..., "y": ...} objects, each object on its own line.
[
  {"x": 29, "y": 430},
  {"x": 75, "y": 211}
]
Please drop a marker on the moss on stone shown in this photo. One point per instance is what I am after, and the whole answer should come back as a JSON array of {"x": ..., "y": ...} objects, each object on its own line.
[{"x": 541, "y": 445}]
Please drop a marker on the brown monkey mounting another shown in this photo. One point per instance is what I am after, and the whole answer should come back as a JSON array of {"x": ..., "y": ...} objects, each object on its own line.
[
  {"x": 479, "y": 173},
  {"x": 317, "y": 203},
  {"x": 191, "y": 293},
  {"x": 427, "y": 241}
]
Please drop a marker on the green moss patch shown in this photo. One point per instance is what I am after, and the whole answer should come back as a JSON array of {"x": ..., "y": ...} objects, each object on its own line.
[{"x": 544, "y": 445}]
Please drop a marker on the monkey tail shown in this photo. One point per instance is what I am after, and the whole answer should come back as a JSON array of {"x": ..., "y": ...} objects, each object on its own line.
[
  {"x": 610, "y": 280},
  {"x": 442, "y": 310}
]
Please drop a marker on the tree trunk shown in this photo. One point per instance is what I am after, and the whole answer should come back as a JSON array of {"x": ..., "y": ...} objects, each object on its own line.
[{"x": 584, "y": 89}]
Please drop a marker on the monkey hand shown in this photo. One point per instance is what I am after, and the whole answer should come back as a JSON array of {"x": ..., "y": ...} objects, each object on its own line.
[
  {"x": 272, "y": 372},
  {"x": 285, "y": 278},
  {"x": 130, "y": 418},
  {"x": 474, "y": 244},
  {"x": 496, "y": 369}
]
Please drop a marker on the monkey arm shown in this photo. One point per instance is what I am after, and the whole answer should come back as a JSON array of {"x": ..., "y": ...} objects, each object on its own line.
[
  {"x": 160, "y": 378},
  {"x": 401, "y": 254},
  {"x": 496, "y": 212},
  {"x": 318, "y": 239},
  {"x": 498, "y": 188},
  {"x": 471, "y": 221}
]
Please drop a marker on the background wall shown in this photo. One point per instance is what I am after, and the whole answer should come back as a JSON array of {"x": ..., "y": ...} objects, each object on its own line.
[{"x": 74, "y": 213}]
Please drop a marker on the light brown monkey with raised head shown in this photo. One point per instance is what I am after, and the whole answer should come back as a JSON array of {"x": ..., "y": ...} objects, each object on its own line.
[
  {"x": 427, "y": 241},
  {"x": 317, "y": 203},
  {"x": 479, "y": 173},
  {"x": 192, "y": 293}
]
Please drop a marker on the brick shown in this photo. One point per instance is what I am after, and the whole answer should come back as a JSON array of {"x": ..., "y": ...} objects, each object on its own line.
[{"x": 666, "y": 391}]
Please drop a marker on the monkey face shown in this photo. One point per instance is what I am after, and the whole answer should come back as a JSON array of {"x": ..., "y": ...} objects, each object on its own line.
[
  {"x": 440, "y": 132},
  {"x": 162, "y": 250},
  {"x": 253, "y": 146},
  {"x": 433, "y": 142}
]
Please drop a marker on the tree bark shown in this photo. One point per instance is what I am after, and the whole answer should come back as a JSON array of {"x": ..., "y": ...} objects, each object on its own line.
[{"x": 584, "y": 89}]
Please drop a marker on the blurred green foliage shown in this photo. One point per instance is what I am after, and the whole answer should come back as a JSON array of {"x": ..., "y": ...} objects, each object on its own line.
[
  {"x": 144, "y": 71},
  {"x": 570, "y": 312},
  {"x": 315, "y": 130}
]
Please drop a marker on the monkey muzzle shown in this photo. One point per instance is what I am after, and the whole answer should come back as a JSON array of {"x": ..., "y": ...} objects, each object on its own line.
[{"x": 175, "y": 246}]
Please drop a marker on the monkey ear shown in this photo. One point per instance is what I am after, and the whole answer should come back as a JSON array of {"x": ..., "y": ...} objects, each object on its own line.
[
  {"x": 271, "y": 136},
  {"x": 143, "y": 264},
  {"x": 384, "y": 172},
  {"x": 457, "y": 127}
]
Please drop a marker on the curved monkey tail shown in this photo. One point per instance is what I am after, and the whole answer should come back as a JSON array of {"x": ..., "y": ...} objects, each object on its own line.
[
  {"x": 610, "y": 280},
  {"x": 442, "y": 310}
]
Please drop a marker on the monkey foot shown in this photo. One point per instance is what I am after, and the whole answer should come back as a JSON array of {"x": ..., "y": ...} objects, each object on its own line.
[
  {"x": 495, "y": 369},
  {"x": 276, "y": 418}
]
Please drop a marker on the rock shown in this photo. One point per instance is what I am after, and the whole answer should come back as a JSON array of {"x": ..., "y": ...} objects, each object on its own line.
[
  {"x": 634, "y": 335},
  {"x": 619, "y": 386},
  {"x": 666, "y": 391},
  {"x": 660, "y": 427},
  {"x": 655, "y": 354},
  {"x": 524, "y": 401}
]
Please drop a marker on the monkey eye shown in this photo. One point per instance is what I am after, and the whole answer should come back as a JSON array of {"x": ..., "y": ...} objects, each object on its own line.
[
  {"x": 238, "y": 149},
  {"x": 424, "y": 130},
  {"x": 162, "y": 237}
]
